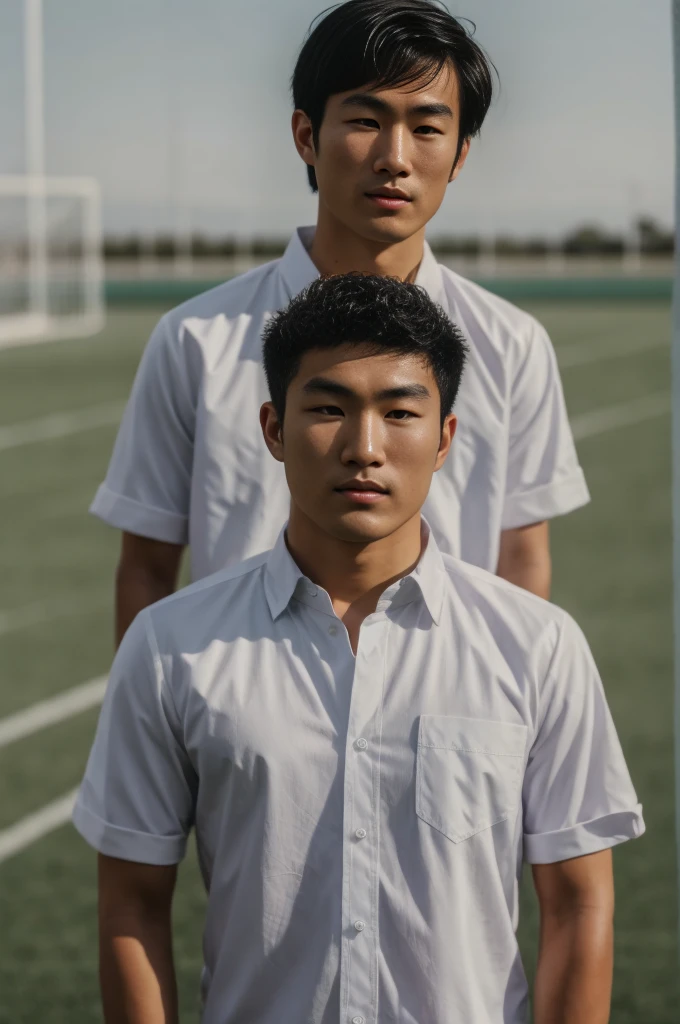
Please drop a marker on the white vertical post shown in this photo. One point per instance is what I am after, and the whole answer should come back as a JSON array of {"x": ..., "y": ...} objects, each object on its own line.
[
  {"x": 675, "y": 459},
  {"x": 177, "y": 158},
  {"x": 35, "y": 157}
]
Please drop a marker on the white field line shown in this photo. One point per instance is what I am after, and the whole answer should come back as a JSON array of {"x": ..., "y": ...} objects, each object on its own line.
[
  {"x": 569, "y": 356},
  {"x": 34, "y": 826},
  {"x": 24, "y": 723},
  {"x": 590, "y": 424},
  {"x": 60, "y": 424},
  {"x": 49, "y": 712}
]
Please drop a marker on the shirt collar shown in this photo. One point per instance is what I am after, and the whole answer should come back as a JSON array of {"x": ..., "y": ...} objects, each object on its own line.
[
  {"x": 298, "y": 271},
  {"x": 429, "y": 574},
  {"x": 282, "y": 575},
  {"x": 429, "y": 276},
  {"x": 283, "y": 578},
  {"x": 296, "y": 267}
]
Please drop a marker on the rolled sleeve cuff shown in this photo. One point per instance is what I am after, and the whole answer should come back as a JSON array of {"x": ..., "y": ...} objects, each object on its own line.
[
  {"x": 125, "y": 843},
  {"x": 144, "y": 520},
  {"x": 554, "y": 499},
  {"x": 587, "y": 837}
]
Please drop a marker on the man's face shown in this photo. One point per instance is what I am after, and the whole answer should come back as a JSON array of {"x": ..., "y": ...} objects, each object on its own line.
[
  {"x": 360, "y": 441},
  {"x": 385, "y": 156}
]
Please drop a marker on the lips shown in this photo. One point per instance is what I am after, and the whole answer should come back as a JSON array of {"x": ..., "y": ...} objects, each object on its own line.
[
  {"x": 362, "y": 492},
  {"x": 389, "y": 193},
  {"x": 388, "y": 198},
  {"x": 362, "y": 485}
]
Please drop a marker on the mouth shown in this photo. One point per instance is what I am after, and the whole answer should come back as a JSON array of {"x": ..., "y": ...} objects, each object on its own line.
[
  {"x": 362, "y": 492},
  {"x": 388, "y": 198}
]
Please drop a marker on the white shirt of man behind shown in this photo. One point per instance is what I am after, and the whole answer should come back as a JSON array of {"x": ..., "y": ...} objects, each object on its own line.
[{"x": 190, "y": 467}]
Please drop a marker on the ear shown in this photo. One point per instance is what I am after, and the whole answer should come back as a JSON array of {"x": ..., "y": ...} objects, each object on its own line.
[
  {"x": 460, "y": 163},
  {"x": 303, "y": 137},
  {"x": 272, "y": 430},
  {"x": 448, "y": 430}
]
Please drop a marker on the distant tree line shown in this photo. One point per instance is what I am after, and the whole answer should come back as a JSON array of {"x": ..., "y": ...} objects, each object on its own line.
[{"x": 587, "y": 240}]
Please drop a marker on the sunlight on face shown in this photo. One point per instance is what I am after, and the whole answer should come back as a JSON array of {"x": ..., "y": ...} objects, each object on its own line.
[
  {"x": 362, "y": 438},
  {"x": 404, "y": 140}
]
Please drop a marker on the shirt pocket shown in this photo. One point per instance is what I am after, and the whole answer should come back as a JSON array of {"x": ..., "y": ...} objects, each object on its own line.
[{"x": 468, "y": 773}]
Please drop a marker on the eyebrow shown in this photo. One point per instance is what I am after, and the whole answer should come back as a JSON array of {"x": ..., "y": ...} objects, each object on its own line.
[
  {"x": 332, "y": 387},
  {"x": 367, "y": 99}
]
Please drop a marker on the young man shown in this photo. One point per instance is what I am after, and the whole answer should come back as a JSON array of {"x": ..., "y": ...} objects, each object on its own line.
[
  {"x": 368, "y": 735},
  {"x": 388, "y": 94}
]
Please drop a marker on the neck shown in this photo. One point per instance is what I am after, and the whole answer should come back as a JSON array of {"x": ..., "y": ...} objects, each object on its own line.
[
  {"x": 353, "y": 574},
  {"x": 337, "y": 249}
]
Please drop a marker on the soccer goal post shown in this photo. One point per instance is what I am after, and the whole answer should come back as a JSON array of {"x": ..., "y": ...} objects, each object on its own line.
[{"x": 51, "y": 261}]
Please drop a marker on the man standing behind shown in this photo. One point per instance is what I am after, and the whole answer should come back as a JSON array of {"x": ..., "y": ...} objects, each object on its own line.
[
  {"x": 369, "y": 736},
  {"x": 388, "y": 95}
]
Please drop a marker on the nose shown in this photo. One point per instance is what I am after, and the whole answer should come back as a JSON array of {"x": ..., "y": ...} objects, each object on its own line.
[
  {"x": 362, "y": 442},
  {"x": 392, "y": 155}
]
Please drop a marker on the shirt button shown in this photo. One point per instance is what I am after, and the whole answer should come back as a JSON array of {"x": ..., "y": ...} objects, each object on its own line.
[
  {"x": 362, "y": 743},
  {"x": 359, "y": 925},
  {"x": 361, "y": 833},
  {"x": 358, "y": 1020},
  {"x": 312, "y": 591},
  {"x": 332, "y": 630}
]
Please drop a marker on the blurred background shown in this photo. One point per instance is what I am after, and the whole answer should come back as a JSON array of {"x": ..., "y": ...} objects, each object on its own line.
[{"x": 145, "y": 154}]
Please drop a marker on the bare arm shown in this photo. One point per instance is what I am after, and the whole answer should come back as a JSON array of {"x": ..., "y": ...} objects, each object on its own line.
[
  {"x": 574, "y": 975},
  {"x": 147, "y": 571},
  {"x": 524, "y": 558},
  {"x": 136, "y": 970}
]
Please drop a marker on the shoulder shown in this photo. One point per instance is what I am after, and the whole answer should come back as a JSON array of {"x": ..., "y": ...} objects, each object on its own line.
[
  {"x": 545, "y": 637},
  {"x": 479, "y": 580},
  {"x": 230, "y": 299},
  {"x": 490, "y": 321},
  {"x": 196, "y": 615},
  {"x": 505, "y": 610},
  {"x": 212, "y": 317}
]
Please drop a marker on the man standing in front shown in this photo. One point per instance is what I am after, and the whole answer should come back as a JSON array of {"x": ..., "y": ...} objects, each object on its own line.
[
  {"x": 388, "y": 95},
  {"x": 368, "y": 736}
]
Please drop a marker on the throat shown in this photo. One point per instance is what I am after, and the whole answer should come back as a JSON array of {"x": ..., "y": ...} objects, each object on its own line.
[{"x": 337, "y": 249}]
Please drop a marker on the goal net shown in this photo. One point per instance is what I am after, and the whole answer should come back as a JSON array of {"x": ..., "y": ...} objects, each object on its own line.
[{"x": 51, "y": 264}]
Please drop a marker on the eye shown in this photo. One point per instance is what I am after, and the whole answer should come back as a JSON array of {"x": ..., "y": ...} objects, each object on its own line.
[
  {"x": 366, "y": 122},
  {"x": 428, "y": 129},
  {"x": 327, "y": 410},
  {"x": 401, "y": 414}
]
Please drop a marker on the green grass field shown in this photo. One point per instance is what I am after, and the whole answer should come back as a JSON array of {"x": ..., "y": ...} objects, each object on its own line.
[{"x": 612, "y": 572}]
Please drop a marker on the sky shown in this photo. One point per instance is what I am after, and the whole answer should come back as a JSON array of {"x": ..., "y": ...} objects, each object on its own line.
[{"x": 181, "y": 110}]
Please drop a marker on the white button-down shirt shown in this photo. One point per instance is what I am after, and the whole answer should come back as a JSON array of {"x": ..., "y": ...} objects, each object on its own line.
[
  {"x": 190, "y": 465},
  {"x": 361, "y": 822}
]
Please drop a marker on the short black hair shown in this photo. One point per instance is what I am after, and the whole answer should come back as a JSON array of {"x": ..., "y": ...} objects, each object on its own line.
[
  {"x": 388, "y": 44},
  {"x": 363, "y": 309}
]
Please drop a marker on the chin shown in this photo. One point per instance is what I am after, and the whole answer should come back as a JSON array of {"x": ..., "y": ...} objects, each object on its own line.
[
  {"x": 362, "y": 527},
  {"x": 388, "y": 230}
]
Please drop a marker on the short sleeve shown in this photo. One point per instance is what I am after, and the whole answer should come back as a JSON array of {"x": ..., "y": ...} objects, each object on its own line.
[
  {"x": 148, "y": 483},
  {"x": 544, "y": 478},
  {"x": 137, "y": 798},
  {"x": 578, "y": 797}
]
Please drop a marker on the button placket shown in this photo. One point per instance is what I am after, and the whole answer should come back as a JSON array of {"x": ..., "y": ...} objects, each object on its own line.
[{"x": 359, "y": 982}]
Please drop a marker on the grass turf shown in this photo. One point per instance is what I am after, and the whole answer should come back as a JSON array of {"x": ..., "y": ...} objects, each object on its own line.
[{"x": 612, "y": 571}]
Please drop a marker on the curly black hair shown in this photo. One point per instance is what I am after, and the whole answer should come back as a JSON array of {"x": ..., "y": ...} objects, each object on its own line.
[{"x": 363, "y": 309}]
